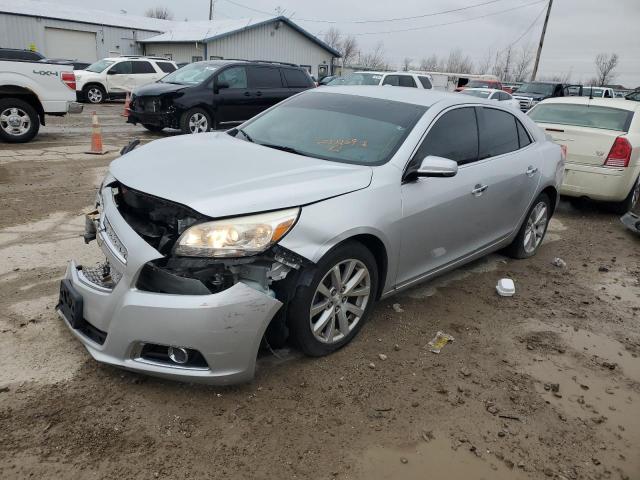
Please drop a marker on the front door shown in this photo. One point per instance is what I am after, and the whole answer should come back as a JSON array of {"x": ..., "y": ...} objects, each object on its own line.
[
  {"x": 234, "y": 103},
  {"x": 120, "y": 78}
]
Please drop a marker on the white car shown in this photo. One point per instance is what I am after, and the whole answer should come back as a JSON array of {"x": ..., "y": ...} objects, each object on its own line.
[
  {"x": 395, "y": 79},
  {"x": 602, "y": 141},
  {"x": 598, "y": 92},
  {"x": 492, "y": 94},
  {"x": 111, "y": 78}
]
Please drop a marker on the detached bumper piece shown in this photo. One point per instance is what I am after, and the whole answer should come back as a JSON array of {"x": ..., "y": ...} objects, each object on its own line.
[{"x": 631, "y": 221}]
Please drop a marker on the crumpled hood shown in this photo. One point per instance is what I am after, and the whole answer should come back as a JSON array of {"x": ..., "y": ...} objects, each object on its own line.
[
  {"x": 532, "y": 96},
  {"x": 157, "y": 88},
  {"x": 219, "y": 175}
]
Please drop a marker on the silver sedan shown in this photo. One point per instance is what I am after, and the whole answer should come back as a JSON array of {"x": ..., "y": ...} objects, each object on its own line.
[{"x": 292, "y": 225}]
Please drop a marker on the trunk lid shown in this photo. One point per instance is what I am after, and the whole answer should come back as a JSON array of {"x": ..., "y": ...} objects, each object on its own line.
[{"x": 585, "y": 145}]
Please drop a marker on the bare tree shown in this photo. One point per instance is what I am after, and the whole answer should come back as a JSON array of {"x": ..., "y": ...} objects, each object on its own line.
[
  {"x": 373, "y": 60},
  {"x": 457, "y": 63},
  {"x": 605, "y": 66},
  {"x": 406, "y": 64},
  {"x": 348, "y": 49},
  {"x": 163, "y": 13},
  {"x": 484, "y": 64},
  {"x": 522, "y": 65},
  {"x": 332, "y": 38},
  {"x": 430, "y": 64}
]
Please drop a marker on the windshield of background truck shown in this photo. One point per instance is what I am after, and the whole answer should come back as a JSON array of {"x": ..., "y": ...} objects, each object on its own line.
[{"x": 545, "y": 89}]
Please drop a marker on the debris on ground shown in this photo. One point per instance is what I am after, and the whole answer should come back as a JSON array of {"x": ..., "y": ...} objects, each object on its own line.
[
  {"x": 603, "y": 268},
  {"x": 372, "y": 365},
  {"x": 439, "y": 341},
  {"x": 558, "y": 262},
  {"x": 397, "y": 308},
  {"x": 506, "y": 287},
  {"x": 382, "y": 356}
]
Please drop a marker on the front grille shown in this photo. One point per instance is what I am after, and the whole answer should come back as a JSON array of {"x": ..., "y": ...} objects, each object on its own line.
[
  {"x": 101, "y": 275},
  {"x": 158, "y": 221},
  {"x": 525, "y": 102},
  {"x": 146, "y": 104}
]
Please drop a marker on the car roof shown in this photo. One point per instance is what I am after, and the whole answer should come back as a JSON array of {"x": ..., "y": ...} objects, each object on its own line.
[
  {"x": 390, "y": 73},
  {"x": 416, "y": 96},
  {"x": 491, "y": 90},
  {"x": 621, "y": 103}
]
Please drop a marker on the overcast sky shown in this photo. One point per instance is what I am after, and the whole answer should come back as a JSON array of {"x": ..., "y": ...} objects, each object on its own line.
[{"x": 578, "y": 29}]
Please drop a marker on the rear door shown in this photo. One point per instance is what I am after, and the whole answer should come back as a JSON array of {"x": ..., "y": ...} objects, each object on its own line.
[
  {"x": 266, "y": 86},
  {"x": 144, "y": 72},
  {"x": 296, "y": 80}
]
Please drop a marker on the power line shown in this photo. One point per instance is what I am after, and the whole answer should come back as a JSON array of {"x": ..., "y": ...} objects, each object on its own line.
[
  {"x": 530, "y": 27},
  {"x": 425, "y": 27},
  {"x": 382, "y": 20}
]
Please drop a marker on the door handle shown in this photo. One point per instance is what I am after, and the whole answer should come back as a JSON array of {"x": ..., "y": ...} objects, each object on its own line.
[
  {"x": 258, "y": 93},
  {"x": 478, "y": 190},
  {"x": 531, "y": 171},
  {"x": 247, "y": 94}
]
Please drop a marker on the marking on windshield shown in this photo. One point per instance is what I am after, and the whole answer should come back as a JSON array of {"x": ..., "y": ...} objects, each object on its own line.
[{"x": 337, "y": 144}]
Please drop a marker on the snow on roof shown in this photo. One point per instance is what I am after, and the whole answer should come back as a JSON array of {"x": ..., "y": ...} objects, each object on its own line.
[
  {"x": 60, "y": 11},
  {"x": 200, "y": 31}
]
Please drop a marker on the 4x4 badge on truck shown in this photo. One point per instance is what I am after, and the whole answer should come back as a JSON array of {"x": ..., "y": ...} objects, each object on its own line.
[{"x": 47, "y": 73}]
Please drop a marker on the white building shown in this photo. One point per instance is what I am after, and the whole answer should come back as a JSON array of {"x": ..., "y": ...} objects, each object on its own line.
[{"x": 62, "y": 31}]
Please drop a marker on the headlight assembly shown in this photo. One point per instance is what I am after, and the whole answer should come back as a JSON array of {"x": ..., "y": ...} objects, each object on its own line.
[{"x": 236, "y": 237}]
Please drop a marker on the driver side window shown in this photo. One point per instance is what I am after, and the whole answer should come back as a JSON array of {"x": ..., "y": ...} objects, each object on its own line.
[
  {"x": 235, "y": 77},
  {"x": 454, "y": 136}
]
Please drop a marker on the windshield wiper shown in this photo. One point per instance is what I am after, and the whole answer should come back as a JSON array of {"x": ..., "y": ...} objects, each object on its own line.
[
  {"x": 284, "y": 148},
  {"x": 246, "y": 135}
]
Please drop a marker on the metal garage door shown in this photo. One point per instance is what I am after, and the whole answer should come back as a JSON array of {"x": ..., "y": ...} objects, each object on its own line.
[{"x": 70, "y": 44}]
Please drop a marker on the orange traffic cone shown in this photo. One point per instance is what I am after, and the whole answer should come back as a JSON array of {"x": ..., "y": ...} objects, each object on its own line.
[
  {"x": 96, "y": 137},
  {"x": 127, "y": 104}
]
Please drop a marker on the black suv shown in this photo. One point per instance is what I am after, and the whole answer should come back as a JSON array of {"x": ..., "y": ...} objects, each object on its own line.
[
  {"x": 215, "y": 94},
  {"x": 17, "y": 54}
]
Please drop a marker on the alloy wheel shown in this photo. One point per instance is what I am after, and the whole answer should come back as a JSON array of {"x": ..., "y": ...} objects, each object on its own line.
[
  {"x": 340, "y": 301},
  {"x": 198, "y": 123},
  {"x": 94, "y": 95},
  {"x": 15, "y": 121},
  {"x": 635, "y": 195},
  {"x": 536, "y": 227}
]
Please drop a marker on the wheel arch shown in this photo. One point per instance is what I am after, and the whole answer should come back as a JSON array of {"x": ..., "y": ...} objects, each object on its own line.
[
  {"x": 24, "y": 94},
  {"x": 552, "y": 193}
]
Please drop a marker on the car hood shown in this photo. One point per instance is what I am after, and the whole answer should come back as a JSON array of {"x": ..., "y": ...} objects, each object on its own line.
[
  {"x": 219, "y": 175},
  {"x": 158, "y": 88},
  {"x": 533, "y": 96}
]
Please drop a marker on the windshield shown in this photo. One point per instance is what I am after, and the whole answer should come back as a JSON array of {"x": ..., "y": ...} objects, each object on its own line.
[
  {"x": 480, "y": 84},
  {"x": 477, "y": 93},
  {"x": 341, "y": 128},
  {"x": 583, "y": 116},
  {"x": 192, "y": 74},
  {"x": 99, "y": 66},
  {"x": 539, "y": 88},
  {"x": 358, "y": 79}
]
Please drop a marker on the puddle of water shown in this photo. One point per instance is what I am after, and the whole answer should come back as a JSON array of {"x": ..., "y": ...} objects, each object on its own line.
[
  {"x": 597, "y": 397},
  {"x": 434, "y": 460}
]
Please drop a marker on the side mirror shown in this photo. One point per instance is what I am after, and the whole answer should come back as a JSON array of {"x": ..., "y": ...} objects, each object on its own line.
[
  {"x": 111, "y": 72},
  {"x": 220, "y": 86},
  {"x": 433, "y": 166}
]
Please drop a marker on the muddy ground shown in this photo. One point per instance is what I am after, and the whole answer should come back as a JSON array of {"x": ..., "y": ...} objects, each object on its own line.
[{"x": 542, "y": 385}]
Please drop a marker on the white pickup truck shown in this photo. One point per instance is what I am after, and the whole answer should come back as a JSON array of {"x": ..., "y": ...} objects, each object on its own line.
[{"x": 31, "y": 90}]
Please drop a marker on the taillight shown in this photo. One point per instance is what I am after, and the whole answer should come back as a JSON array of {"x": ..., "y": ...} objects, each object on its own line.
[
  {"x": 563, "y": 152},
  {"x": 69, "y": 79},
  {"x": 620, "y": 153}
]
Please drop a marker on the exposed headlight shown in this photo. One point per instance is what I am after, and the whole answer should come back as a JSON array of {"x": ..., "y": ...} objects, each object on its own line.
[{"x": 236, "y": 237}]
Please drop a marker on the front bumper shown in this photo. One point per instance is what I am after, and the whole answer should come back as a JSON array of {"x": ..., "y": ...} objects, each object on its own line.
[
  {"x": 160, "y": 119},
  {"x": 598, "y": 183},
  {"x": 226, "y": 328}
]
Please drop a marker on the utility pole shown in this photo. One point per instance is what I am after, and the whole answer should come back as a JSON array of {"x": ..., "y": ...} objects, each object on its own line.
[
  {"x": 212, "y": 4},
  {"x": 544, "y": 30}
]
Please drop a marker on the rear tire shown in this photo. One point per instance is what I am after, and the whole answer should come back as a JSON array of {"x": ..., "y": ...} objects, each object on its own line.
[
  {"x": 196, "y": 120},
  {"x": 153, "y": 128},
  {"x": 19, "y": 121},
  {"x": 533, "y": 229},
  {"x": 324, "y": 318},
  {"x": 628, "y": 203}
]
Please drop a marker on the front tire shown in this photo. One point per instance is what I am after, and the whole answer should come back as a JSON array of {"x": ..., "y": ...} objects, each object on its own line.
[
  {"x": 533, "y": 229},
  {"x": 19, "y": 121},
  {"x": 328, "y": 313},
  {"x": 94, "y": 94},
  {"x": 196, "y": 120}
]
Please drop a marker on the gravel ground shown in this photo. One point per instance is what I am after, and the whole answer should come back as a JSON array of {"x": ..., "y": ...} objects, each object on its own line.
[{"x": 545, "y": 384}]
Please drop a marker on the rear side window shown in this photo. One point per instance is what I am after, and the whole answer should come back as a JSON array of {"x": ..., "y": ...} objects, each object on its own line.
[
  {"x": 498, "y": 133},
  {"x": 143, "y": 67},
  {"x": 166, "y": 67},
  {"x": 426, "y": 83},
  {"x": 264, "y": 77},
  {"x": 583, "y": 116},
  {"x": 454, "y": 136},
  {"x": 399, "y": 81},
  {"x": 296, "y": 78},
  {"x": 523, "y": 137},
  {"x": 122, "y": 68}
]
